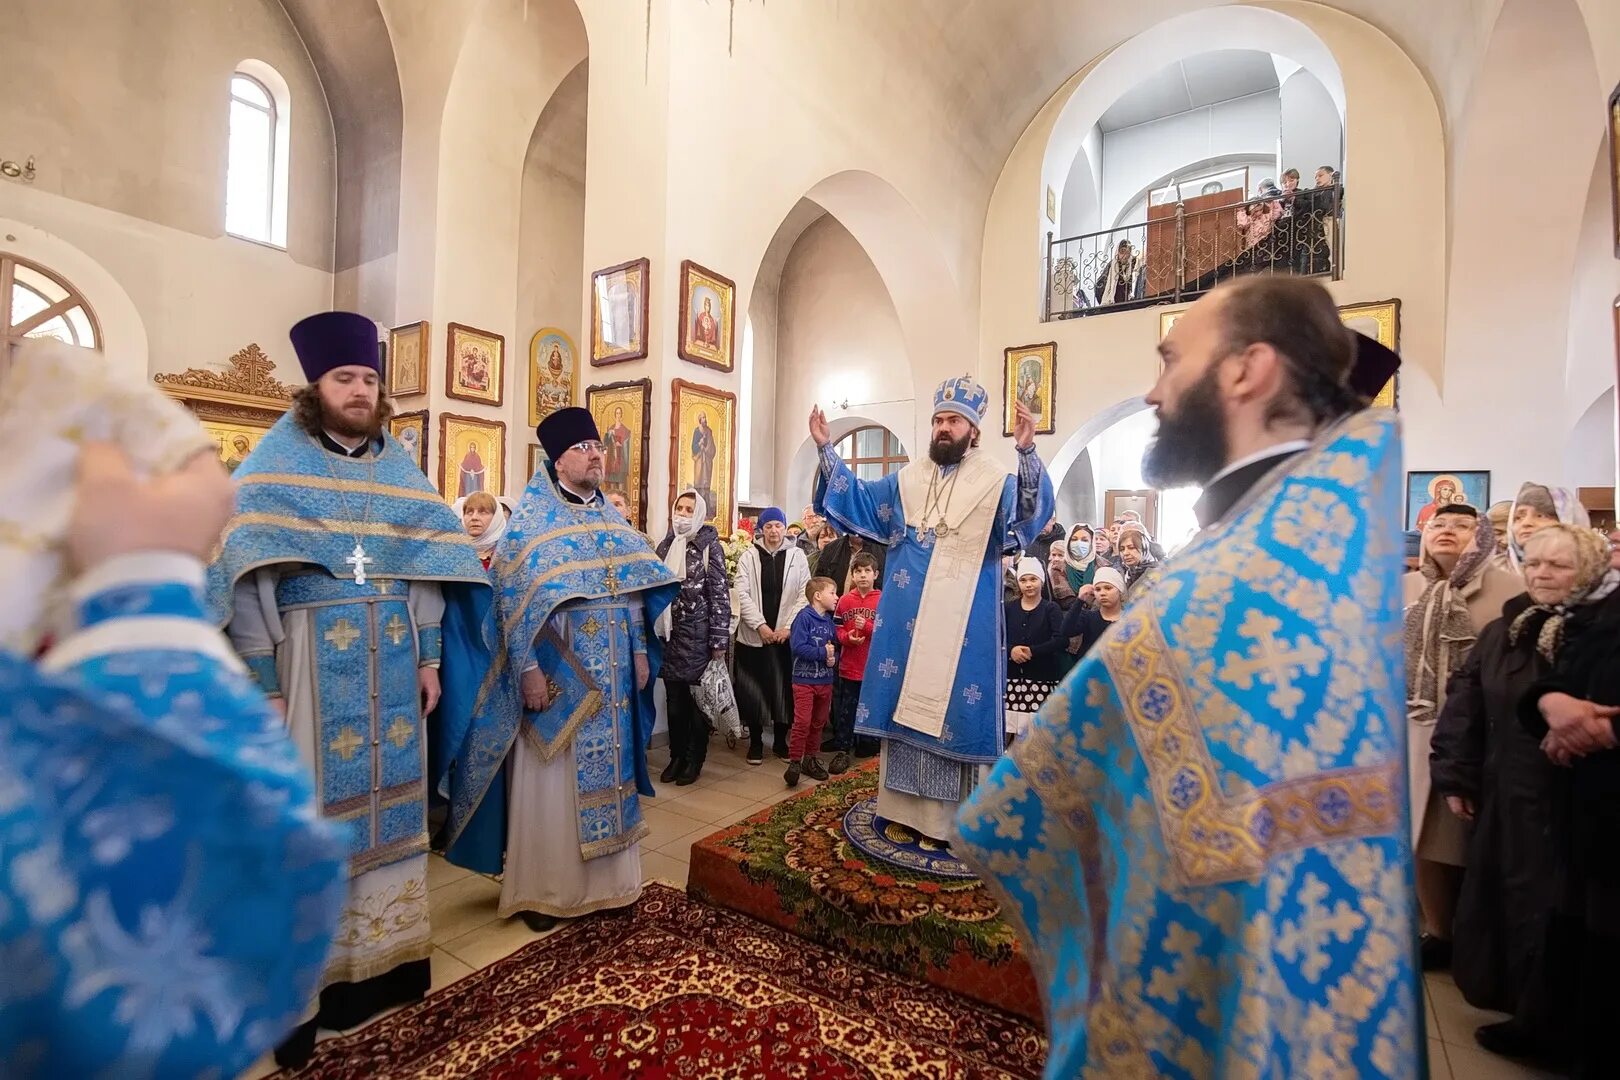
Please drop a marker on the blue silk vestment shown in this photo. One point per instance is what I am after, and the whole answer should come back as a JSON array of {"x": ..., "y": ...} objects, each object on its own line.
[
  {"x": 973, "y": 731},
  {"x": 300, "y": 504},
  {"x": 1205, "y": 832},
  {"x": 167, "y": 895},
  {"x": 578, "y": 591}
]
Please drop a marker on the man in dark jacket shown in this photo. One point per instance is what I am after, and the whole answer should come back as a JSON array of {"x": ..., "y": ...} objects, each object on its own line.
[{"x": 834, "y": 559}]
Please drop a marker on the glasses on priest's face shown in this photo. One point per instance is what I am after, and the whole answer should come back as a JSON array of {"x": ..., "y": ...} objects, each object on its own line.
[{"x": 589, "y": 446}]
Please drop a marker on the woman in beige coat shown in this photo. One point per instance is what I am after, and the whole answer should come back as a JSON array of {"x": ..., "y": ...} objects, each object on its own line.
[{"x": 1454, "y": 594}]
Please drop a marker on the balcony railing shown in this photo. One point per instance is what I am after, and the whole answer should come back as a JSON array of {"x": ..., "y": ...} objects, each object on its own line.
[{"x": 1180, "y": 256}]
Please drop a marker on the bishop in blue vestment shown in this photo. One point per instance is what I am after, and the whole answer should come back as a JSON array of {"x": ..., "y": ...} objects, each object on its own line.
[
  {"x": 1204, "y": 834},
  {"x": 545, "y": 779},
  {"x": 935, "y": 674}
]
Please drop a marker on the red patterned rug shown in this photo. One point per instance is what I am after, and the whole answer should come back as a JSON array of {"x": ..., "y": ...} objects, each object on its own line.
[
  {"x": 793, "y": 866},
  {"x": 682, "y": 989}
]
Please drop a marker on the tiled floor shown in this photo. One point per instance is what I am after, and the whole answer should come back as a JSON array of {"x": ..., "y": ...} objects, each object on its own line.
[{"x": 467, "y": 935}]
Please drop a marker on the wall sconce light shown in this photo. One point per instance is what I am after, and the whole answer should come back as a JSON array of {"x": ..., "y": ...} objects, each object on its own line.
[{"x": 11, "y": 170}]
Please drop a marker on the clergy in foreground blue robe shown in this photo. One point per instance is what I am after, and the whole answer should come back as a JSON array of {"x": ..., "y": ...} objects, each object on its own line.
[
  {"x": 1204, "y": 831},
  {"x": 935, "y": 673},
  {"x": 167, "y": 894}
]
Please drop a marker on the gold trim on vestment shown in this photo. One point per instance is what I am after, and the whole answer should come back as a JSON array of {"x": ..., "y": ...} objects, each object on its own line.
[
  {"x": 591, "y": 908},
  {"x": 358, "y": 487},
  {"x": 348, "y": 528},
  {"x": 589, "y": 705}
]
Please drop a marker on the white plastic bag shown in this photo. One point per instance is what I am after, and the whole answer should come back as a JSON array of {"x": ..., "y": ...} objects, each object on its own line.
[{"x": 717, "y": 700}]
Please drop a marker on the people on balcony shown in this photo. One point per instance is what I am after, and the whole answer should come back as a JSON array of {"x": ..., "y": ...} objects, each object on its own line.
[{"x": 1126, "y": 276}]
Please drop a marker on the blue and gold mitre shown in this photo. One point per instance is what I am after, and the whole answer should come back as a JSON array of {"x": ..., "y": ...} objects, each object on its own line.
[{"x": 964, "y": 396}]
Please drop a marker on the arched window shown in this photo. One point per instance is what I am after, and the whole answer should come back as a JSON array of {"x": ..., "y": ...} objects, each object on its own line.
[
  {"x": 872, "y": 452},
  {"x": 256, "y": 167},
  {"x": 39, "y": 304}
]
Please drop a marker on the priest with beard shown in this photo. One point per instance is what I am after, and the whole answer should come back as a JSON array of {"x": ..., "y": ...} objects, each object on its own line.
[
  {"x": 934, "y": 678},
  {"x": 344, "y": 582},
  {"x": 1204, "y": 833}
]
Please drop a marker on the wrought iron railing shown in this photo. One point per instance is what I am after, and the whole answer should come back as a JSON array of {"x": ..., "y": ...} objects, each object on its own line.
[{"x": 1183, "y": 255}]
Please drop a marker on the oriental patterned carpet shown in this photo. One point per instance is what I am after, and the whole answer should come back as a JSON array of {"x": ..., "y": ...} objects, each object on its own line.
[
  {"x": 682, "y": 989},
  {"x": 794, "y": 867}
]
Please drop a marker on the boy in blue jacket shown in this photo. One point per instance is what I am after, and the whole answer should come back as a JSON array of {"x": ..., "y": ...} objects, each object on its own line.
[{"x": 815, "y": 659}]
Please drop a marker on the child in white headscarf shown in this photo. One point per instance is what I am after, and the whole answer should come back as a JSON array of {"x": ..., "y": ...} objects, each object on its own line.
[{"x": 1034, "y": 640}]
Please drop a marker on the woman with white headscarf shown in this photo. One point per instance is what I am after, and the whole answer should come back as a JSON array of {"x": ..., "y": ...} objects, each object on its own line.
[
  {"x": 485, "y": 521},
  {"x": 1034, "y": 640},
  {"x": 696, "y": 629}
]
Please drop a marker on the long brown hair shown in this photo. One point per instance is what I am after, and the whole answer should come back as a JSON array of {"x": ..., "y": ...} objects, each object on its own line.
[{"x": 306, "y": 409}]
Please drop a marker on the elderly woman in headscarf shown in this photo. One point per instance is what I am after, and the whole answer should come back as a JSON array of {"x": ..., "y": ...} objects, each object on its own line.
[
  {"x": 485, "y": 520},
  {"x": 1493, "y": 773},
  {"x": 1452, "y": 596},
  {"x": 1575, "y": 710},
  {"x": 1536, "y": 507},
  {"x": 696, "y": 627},
  {"x": 1501, "y": 517}
]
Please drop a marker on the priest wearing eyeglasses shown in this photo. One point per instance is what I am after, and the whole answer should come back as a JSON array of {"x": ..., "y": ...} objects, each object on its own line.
[{"x": 546, "y": 779}]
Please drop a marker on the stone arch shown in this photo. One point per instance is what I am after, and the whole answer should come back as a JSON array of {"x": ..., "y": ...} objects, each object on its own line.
[
  {"x": 920, "y": 286},
  {"x": 123, "y": 332},
  {"x": 1205, "y": 30},
  {"x": 801, "y": 472}
]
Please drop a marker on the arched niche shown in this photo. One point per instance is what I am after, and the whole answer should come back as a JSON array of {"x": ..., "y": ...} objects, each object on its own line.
[
  {"x": 801, "y": 471},
  {"x": 1206, "y": 30}
]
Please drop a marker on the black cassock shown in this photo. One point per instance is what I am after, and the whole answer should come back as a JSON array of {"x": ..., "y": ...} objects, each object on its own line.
[{"x": 1481, "y": 752}]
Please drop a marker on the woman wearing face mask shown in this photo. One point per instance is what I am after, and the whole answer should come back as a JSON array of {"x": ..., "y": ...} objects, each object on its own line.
[
  {"x": 1071, "y": 578},
  {"x": 1084, "y": 626},
  {"x": 696, "y": 627},
  {"x": 485, "y": 521}
]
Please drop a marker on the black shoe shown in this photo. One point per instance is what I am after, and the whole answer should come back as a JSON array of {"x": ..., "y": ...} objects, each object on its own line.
[
  {"x": 537, "y": 922},
  {"x": 756, "y": 751},
  {"x": 298, "y": 1047},
  {"x": 813, "y": 768},
  {"x": 1507, "y": 1039},
  {"x": 780, "y": 749},
  {"x": 1434, "y": 952},
  {"x": 840, "y": 764},
  {"x": 792, "y": 774},
  {"x": 671, "y": 771},
  {"x": 868, "y": 747},
  {"x": 689, "y": 773}
]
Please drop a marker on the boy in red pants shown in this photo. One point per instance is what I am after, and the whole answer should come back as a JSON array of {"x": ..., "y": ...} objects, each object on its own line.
[
  {"x": 856, "y": 618},
  {"x": 815, "y": 659}
]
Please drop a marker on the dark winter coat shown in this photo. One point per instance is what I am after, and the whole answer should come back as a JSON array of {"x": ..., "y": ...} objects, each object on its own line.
[
  {"x": 1481, "y": 752},
  {"x": 700, "y": 618},
  {"x": 834, "y": 560}
]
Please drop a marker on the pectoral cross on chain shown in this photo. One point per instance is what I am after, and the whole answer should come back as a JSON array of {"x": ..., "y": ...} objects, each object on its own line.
[{"x": 359, "y": 561}]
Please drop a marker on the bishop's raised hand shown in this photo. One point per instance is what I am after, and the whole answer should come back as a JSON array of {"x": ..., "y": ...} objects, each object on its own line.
[{"x": 819, "y": 430}]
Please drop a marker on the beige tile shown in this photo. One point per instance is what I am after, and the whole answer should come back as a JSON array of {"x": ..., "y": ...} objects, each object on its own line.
[
  {"x": 753, "y": 786},
  {"x": 706, "y": 804},
  {"x": 656, "y": 866},
  {"x": 1439, "y": 1066},
  {"x": 462, "y": 906},
  {"x": 1472, "y": 1063},
  {"x": 667, "y": 826},
  {"x": 446, "y": 970},
  {"x": 1455, "y": 1018},
  {"x": 493, "y": 941},
  {"x": 441, "y": 872},
  {"x": 682, "y": 848}
]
